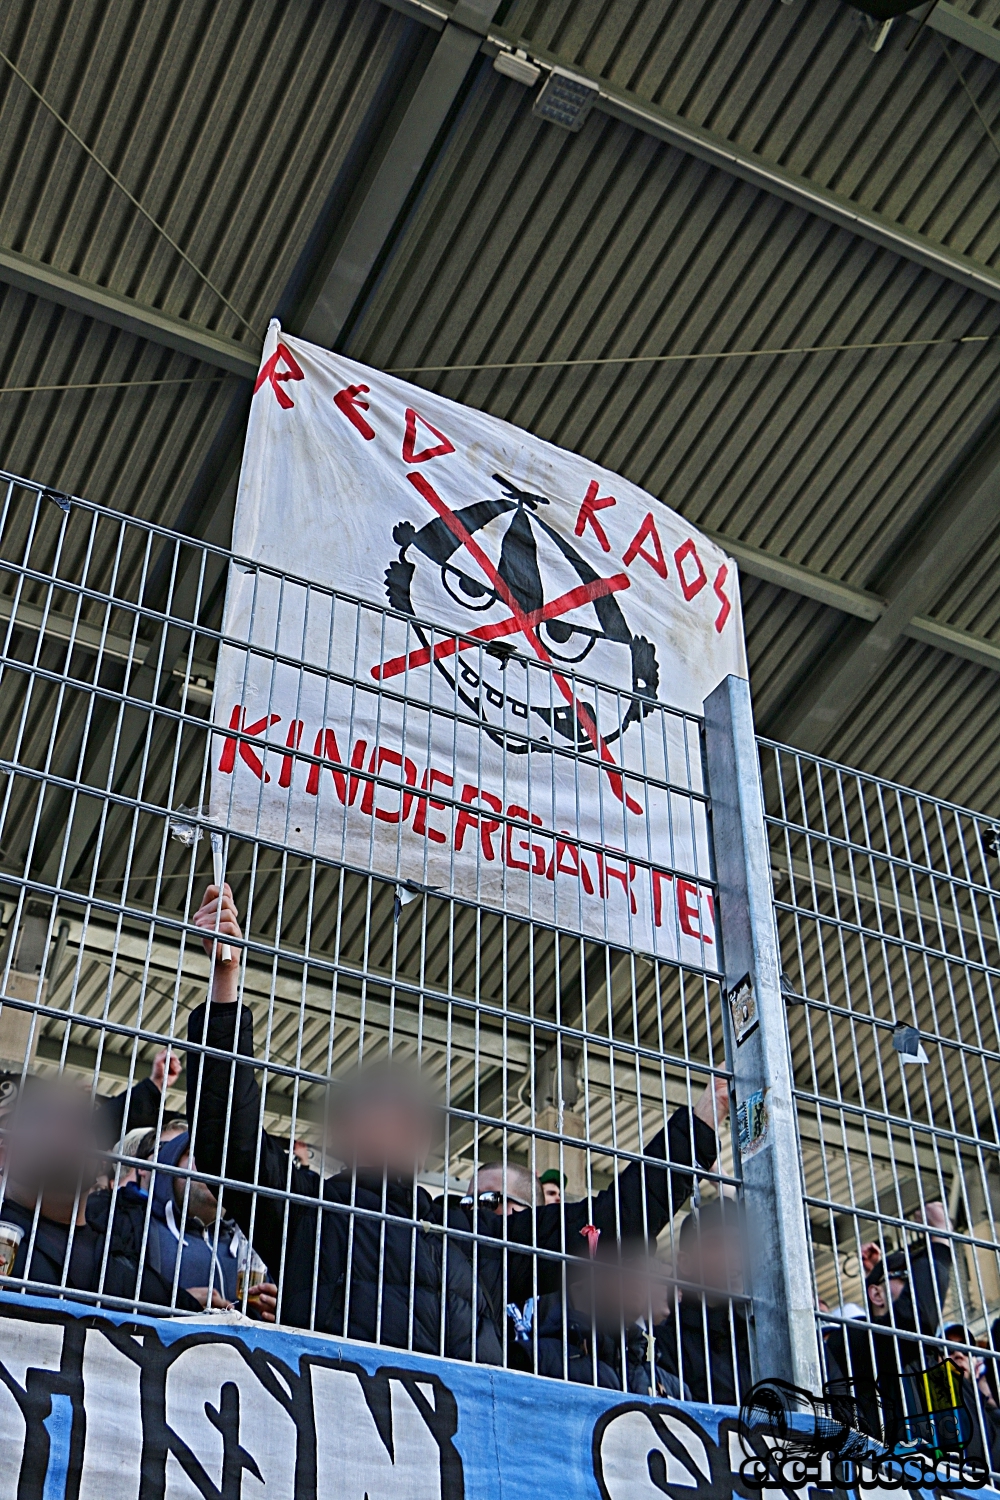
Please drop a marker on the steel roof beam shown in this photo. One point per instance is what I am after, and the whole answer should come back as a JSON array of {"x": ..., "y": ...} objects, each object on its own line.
[
  {"x": 771, "y": 568},
  {"x": 124, "y": 312},
  {"x": 964, "y": 519},
  {"x": 718, "y": 152},
  {"x": 400, "y": 168},
  {"x": 960, "y": 26},
  {"x": 861, "y": 604}
]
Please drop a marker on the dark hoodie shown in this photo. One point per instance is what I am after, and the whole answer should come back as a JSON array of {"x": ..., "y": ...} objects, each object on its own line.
[
  {"x": 200, "y": 1265},
  {"x": 917, "y": 1309},
  {"x": 708, "y": 1336},
  {"x": 984, "y": 1422}
]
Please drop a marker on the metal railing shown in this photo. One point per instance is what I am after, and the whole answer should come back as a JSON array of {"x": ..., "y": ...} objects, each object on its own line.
[
  {"x": 888, "y": 911},
  {"x": 524, "y": 1040},
  {"x": 520, "y": 1033}
]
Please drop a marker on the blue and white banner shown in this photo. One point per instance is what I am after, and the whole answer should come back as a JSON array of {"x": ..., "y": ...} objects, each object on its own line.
[{"x": 98, "y": 1406}]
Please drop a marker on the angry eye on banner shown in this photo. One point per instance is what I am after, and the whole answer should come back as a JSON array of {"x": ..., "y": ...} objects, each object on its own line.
[{"x": 542, "y": 593}]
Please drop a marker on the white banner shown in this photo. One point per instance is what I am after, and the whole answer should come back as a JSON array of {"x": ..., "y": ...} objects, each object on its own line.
[{"x": 507, "y": 723}]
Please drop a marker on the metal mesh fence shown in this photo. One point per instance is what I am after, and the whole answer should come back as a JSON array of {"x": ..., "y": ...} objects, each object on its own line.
[
  {"x": 503, "y": 1039},
  {"x": 887, "y": 910},
  {"x": 356, "y": 1009}
]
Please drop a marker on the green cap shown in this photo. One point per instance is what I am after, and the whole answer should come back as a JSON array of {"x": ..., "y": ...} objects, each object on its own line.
[{"x": 552, "y": 1175}]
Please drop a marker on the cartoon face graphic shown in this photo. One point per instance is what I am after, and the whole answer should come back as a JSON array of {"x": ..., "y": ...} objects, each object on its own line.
[{"x": 500, "y": 573}]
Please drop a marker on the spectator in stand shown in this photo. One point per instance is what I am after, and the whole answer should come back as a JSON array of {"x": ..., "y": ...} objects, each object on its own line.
[
  {"x": 503, "y": 1187},
  {"x": 117, "y": 1115},
  {"x": 50, "y": 1153},
  {"x": 977, "y": 1399},
  {"x": 991, "y": 1369},
  {"x": 641, "y": 1201},
  {"x": 403, "y": 1290},
  {"x": 905, "y": 1293},
  {"x": 191, "y": 1242},
  {"x": 553, "y": 1185},
  {"x": 599, "y": 1329},
  {"x": 704, "y": 1341}
]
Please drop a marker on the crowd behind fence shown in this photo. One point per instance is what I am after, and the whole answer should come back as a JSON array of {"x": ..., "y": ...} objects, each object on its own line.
[
  {"x": 887, "y": 909},
  {"x": 349, "y": 1102}
]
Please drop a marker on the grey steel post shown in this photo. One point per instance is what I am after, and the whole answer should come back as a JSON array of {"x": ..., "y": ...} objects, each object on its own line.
[{"x": 783, "y": 1341}]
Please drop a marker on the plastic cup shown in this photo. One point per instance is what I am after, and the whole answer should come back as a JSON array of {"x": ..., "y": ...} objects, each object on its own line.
[{"x": 11, "y": 1236}]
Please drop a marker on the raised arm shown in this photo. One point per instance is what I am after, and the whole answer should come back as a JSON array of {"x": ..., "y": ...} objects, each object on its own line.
[
  {"x": 931, "y": 1271},
  {"x": 136, "y": 1108},
  {"x": 643, "y": 1198},
  {"x": 226, "y": 1130}
]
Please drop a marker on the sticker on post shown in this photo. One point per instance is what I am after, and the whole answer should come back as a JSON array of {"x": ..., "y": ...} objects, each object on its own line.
[
  {"x": 743, "y": 1009},
  {"x": 753, "y": 1120}
]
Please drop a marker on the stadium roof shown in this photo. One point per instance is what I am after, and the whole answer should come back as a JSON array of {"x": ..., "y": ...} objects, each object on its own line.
[{"x": 747, "y": 175}]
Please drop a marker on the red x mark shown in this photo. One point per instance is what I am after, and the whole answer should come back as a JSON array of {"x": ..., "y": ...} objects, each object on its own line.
[
  {"x": 526, "y": 627},
  {"x": 561, "y": 606}
]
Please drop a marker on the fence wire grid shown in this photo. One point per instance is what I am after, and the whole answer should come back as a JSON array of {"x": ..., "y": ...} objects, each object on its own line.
[
  {"x": 516, "y": 1043},
  {"x": 528, "y": 1062},
  {"x": 887, "y": 911}
]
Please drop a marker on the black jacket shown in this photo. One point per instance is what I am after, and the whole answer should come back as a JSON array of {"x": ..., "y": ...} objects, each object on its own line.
[
  {"x": 641, "y": 1201},
  {"x": 984, "y": 1420},
  {"x": 592, "y": 1357},
  {"x": 849, "y": 1350},
  {"x": 450, "y": 1308},
  {"x": 121, "y": 1214},
  {"x": 991, "y": 1364},
  {"x": 723, "y": 1328}
]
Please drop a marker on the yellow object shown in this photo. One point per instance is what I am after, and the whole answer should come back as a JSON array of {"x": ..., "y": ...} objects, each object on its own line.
[{"x": 939, "y": 1387}]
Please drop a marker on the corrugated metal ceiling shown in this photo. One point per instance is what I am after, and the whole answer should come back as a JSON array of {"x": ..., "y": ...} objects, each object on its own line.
[
  {"x": 796, "y": 85},
  {"x": 231, "y": 122},
  {"x": 234, "y": 125},
  {"x": 237, "y": 127}
]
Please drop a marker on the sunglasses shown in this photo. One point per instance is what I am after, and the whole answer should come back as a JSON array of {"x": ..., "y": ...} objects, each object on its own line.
[{"x": 493, "y": 1200}]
